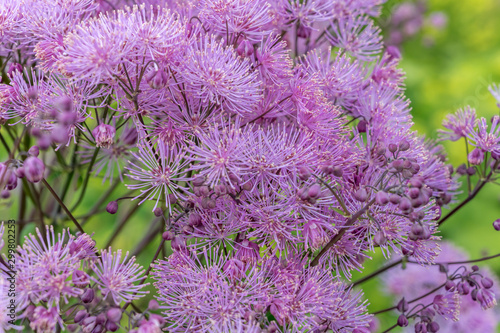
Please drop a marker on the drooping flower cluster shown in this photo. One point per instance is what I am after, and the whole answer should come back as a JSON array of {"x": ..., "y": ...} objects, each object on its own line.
[
  {"x": 465, "y": 302},
  {"x": 272, "y": 137}
]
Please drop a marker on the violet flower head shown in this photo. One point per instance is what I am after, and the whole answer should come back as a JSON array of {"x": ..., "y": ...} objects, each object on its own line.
[
  {"x": 117, "y": 277},
  {"x": 215, "y": 74},
  {"x": 157, "y": 170},
  {"x": 458, "y": 125}
]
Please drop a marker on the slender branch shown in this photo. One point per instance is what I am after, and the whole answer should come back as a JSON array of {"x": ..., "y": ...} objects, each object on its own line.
[
  {"x": 339, "y": 235},
  {"x": 377, "y": 272},
  {"x": 412, "y": 301},
  {"x": 54, "y": 194},
  {"x": 469, "y": 198}
]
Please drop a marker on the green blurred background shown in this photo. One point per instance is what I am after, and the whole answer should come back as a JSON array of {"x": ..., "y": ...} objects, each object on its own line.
[{"x": 452, "y": 71}]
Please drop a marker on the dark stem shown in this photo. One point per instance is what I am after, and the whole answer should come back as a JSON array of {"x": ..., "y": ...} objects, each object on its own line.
[
  {"x": 54, "y": 194},
  {"x": 339, "y": 235}
]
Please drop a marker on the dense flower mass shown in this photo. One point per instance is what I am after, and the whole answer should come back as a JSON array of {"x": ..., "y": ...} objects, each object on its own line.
[{"x": 272, "y": 144}]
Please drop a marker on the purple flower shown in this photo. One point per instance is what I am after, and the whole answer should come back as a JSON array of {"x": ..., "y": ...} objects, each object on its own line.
[
  {"x": 117, "y": 277},
  {"x": 458, "y": 125},
  {"x": 215, "y": 74},
  {"x": 104, "y": 135},
  {"x": 157, "y": 171},
  {"x": 45, "y": 320},
  {"x": 487, "y": 141}
]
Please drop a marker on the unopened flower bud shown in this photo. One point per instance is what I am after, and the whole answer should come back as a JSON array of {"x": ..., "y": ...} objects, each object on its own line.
[
  {"x": 433, "y": 327},
  {"x": 111, "y": 326},
  {"x": 392, "y": 147},
  {"x": 168, "y": 235},
  {"x": 476, "y": 156},
  {"x": 87, "y": 296},
  {"x": 314, "y": 191},
  {"x": 44, "y": 141},
  {"x": 157, "y": 79},
  {"x": 80, "y": 315},
  {"x": 158, "y": 211},
  {"x": 104, "y": 135},
  {"x": 397, "y": 165},
  {"x": 194, "y": 219},
  {"x": 362, "y": 126},
  {"x": 394, "y": 198},
  {"x": 487, "y": 282},
  {"x": 112, "y": 207},
  {"x": 178, "y": 243},
  {"x": 337, "y": 171},
  {"x": 462, "y": 169},
  {"x": 114, "y": 314},
  {"x": 361, "y": 194},
  {"x": 304, "y": 173},
  {"x": 19, "y": 172},
  {"x": 34, "y": 151},
  {"x": 413, "y": 192},
  {"x": 405, "y": 205},
  {"x": 404, "y": 145},
  {"x": 450, "y": 285},
  {"x": 402, "y": 305},
  {"x": 33, "y": 169},
  {"x": 187, "y": 229},
  {"x": 198, "y": 181},
  {"x": 402, "y": 321},
  {"x": 379, "y": 238},
  {"x": 496, "y": 225},
  {"x": 245, "y": 48},
  {"x": 153, "y": 305},
  {"x": 471, "y": 171},
  {"x": 381, "y": 198}
]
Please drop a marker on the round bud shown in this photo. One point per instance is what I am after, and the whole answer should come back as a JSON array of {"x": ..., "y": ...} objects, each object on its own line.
[
  {"x": 362, "y": 126},
  {"x": 168, "y": 235},
  {"x": 381, "y": 198},
  {"x": 100, "y": 319},
  {"x": 394, "y": 198},
  {"x": 33, "y": 169},
  {"x": 433, "y": 327},
  {"x": 403, "y": 305},
  {"x": 112, "y": 207},
  {"x": 402, "y": 321},
  {"x": 194, "y": 219},
  {"x": 397, "y": 165},
  {"x": 337, "y": 171},
  {"x": 87, "y": 296},
  {"x": 245, "y": 48},
  {"x": 157, "y": 79},
  {"x": 462, "y": 169},
  {"x": 471, "y": 171},
  {"x": 392, "y": 148},
  {"x": 111, "y": 326},
  {"x": 153, "y": 305},
  {"x": 158, "y": 211},
  {"x": 404, "y": 145},
  {"x": 496, "y": 225},
  {"x": 450, "y": 285},
  {"x": 474, "y": 268},
  {"x": 34, "y": 151},
  {"x": 361, "y": 194},
  {"x": 314, "y": 191},
  {"x": 413, "y": 192},
  {"x": 80, "y": 315},
  {"x": 405, "y": 205},
  {"x": 416, "y": 182},
  {"x": 114, "y": 314},
  {"x": 19, "y": 172},
  {"x": 487, "y": 282},
  {"x": 304, "y": 173},
  {"x": 379, "y": 238},
  {"x": 198, "y": 181}
]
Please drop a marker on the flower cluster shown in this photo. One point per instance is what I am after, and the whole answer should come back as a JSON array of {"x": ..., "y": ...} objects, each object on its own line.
[{"x": 271, "y": 139}]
